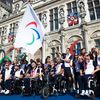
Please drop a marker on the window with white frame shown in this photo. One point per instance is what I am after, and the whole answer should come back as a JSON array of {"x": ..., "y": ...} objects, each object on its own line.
[
  {"x": 94, "y": 9},
  {"x": 54, "y": 51},
  {"x": 54, "y": 25},
  {"x": 97, "y": 42},
  {"x": 71, "y": 7}
]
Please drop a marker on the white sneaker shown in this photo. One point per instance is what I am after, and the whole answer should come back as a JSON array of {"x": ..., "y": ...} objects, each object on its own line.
[
  {"x": 2, "y": 91},
  {"x": 77, "y": 91},
  {"x": 87, "y": 93},
  {"x": 23, "y": 87},
  {"x": 64, "y": 90},
  {"x": 7, "y": 92},
  {"x": 83, "y": 92}
]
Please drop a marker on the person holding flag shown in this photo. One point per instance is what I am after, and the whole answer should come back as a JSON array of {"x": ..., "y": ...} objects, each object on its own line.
[{"x": 30, "y": 33}]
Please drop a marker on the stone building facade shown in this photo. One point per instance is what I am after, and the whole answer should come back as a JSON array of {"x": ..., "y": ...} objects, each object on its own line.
[{"x": 68, "y": 23}]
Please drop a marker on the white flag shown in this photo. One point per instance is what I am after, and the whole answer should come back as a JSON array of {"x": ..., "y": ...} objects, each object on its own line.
[{"x": 30, "y": 32}]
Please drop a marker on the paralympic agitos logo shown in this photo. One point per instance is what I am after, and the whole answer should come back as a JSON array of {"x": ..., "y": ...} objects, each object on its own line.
[{"x": 33, "y": 35}]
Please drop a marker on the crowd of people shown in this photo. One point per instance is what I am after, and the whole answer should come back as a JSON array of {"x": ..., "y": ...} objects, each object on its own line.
[{"x": 74, "y": 69}]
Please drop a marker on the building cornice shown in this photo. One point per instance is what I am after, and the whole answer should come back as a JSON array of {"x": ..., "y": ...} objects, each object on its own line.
[
  {"x": 78, "y": 26},
  {"x": 12, "y": 17},
  {"x": 35, "y": 8},
  {"x": 46, "y": 4},
  {"x": 93, "y": 22}
]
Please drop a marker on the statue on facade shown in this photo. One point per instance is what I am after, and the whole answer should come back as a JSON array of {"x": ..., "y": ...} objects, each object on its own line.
[
  {"x": 81, "y": 6},
  {"x": 44, "y": 19},
  {"x": 61, "y": 15}
]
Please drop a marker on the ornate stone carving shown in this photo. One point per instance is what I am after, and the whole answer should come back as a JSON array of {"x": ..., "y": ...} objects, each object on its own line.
[
  {"x": 61, "y": 12},
  {"x": 44, "y": 19},
  {"x": 54, "y": 43},
  {"x": 17, "y": 8},
  {"x": 61, "y": 15},
  {"x": 73, "y": 38},
  {"x": 81, "y": 6},
  {"x": 95, "y": 34}
]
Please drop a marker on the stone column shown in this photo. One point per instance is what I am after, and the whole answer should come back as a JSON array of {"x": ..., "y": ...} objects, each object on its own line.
[
  {"x": 61, "y": 31},
  {"x": 85, "y": 36},
  {"x": 43, "y": 51},
  {"x": 83, "y": 26},
  {"x": 62, "y": 41}
]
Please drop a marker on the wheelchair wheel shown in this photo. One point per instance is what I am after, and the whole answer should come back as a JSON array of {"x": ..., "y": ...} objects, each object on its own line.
[
  {"x": 26, "y": 92},
  {"x": 45, "y": 92},
  {"x": 63, "y": 87}
]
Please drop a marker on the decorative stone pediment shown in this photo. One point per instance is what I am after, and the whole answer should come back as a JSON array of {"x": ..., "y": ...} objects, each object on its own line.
[
  {"x": 74, "y": 38},
  {"x": 54, "y": 43},
  {"x": 96, "y": 34}
]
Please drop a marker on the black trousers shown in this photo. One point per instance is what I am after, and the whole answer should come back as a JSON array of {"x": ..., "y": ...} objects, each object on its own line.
[
  {"x": 8, "y": 84},
  {"x": 26, "y": 82}
]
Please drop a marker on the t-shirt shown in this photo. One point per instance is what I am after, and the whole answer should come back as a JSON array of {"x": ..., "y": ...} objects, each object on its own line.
[
  {"x": 77, "y": 66},
  {"x": 89, "y": 67},
  {"x": 67, "y": 64},
  {"x": 7, "y": 73},
  {"x": 19, "y": 72},
  {"x": 33, "y": 72},
  {"x": 58, "y": 68}
]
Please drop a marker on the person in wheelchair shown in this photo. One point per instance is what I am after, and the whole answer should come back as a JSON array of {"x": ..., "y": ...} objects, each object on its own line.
[
  {"x": 86, "y": 73},
  {"x": 18, "y": 77},
  {"x": 59, "y": 74},
  {"x": 30, "y": 79},
  {"x": 40, "y": 79},
  {"x": 6, "y": 79},
  {"x": 97, "y": 74},
  {"x": 52, "y": 71}
]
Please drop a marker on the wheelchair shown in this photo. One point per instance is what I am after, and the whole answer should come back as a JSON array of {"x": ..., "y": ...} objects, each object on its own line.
[
  {"x": 94, "y": 84},
  {"x": 49, "y": 86},
  {"x": 97, "y": 83},
  {"x": 37, "y": 86},
  {"x": 61, "y": 84},
  {"x": 53, "y": 86},
  {"x": 91, "y": 85},
  {"x": 9, "y": 86},
  {"x": 31, "y": 86},
  {"x": 26, "y": 87},
  {"x": 17, "y": 86},
  {"x": 89, "y": 92}
]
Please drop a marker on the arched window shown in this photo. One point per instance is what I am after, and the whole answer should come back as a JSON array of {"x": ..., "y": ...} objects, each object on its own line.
[
  {"x": 75, "y": 44},
  {"x": 96, "y": 38},
  {"x": 55, "y": 48}
]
